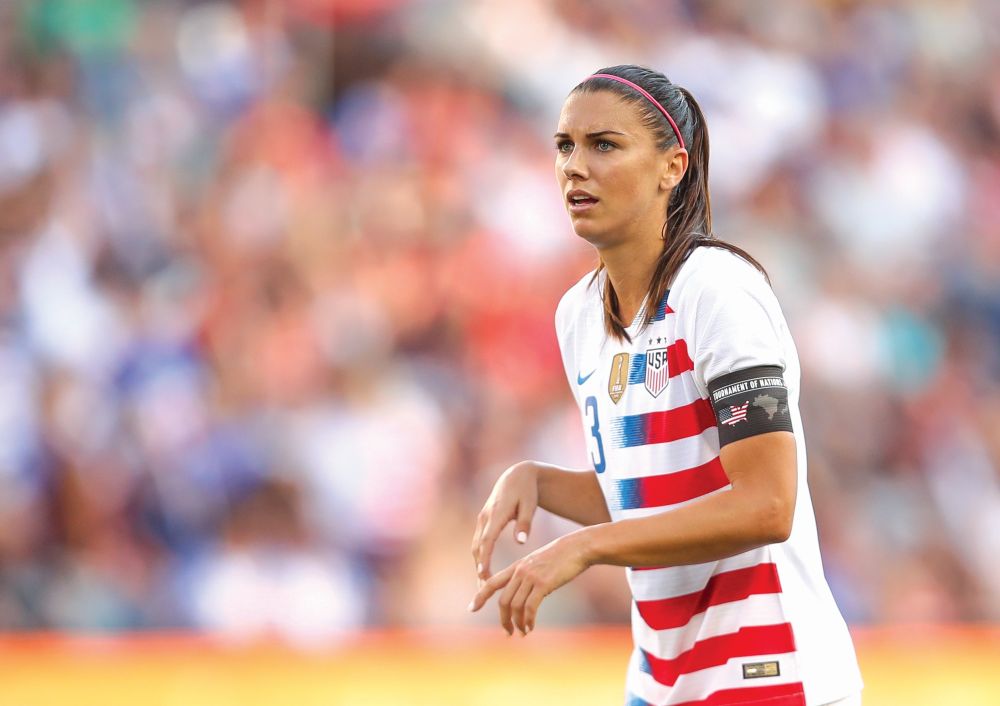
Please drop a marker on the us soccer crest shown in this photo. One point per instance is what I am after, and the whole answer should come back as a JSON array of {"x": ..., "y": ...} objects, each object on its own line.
[
  {"x": 619, "y": 377},
  {"x": 657, "y": 371}
]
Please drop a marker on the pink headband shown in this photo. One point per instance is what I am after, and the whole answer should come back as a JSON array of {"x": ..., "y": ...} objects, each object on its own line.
[{"x": 619, "y": 79}]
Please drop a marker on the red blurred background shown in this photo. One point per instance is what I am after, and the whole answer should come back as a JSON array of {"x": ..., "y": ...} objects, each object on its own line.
[{"x": 278, "y": 282}]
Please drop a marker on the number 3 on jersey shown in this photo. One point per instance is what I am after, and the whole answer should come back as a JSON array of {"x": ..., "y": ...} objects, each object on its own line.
[{"x": 594, "y": 445}]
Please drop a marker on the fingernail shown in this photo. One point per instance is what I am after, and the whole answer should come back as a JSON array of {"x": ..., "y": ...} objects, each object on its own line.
[
  {"x": 472, "y": 604},
  {"x": 522, "y": 537},
  {"x": 479, "y": 568}
]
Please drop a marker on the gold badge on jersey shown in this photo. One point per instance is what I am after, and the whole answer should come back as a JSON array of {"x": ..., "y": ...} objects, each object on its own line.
[
  {"x": 756, "y": 670},
  {"x": 618, "y": 381}
]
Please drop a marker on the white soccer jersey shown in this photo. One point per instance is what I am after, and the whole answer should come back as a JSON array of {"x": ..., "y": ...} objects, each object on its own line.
[{"x": 760, "y": 627}]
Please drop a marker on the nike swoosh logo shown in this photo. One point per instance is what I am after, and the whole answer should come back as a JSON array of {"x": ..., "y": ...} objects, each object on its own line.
[{"x": 580, "y": 379}]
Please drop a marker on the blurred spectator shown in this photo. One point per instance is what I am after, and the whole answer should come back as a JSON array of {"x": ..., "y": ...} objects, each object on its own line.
[{"x": 277, "y": 284}]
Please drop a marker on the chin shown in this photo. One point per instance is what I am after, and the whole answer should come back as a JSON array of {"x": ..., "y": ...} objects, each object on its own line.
[{"x": 588, "y": 231}]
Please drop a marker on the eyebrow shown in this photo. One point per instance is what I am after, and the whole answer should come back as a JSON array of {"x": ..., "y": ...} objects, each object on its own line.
[{"x": 593, "y": 134}]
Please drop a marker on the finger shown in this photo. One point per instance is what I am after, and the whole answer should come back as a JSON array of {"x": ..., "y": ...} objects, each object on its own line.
[
  {"x": 490, "y": 534},
  {"x": 517, "y": 604},
  {"x": 531, "y": 604},
  {"x": 476, "y": 533},
  {"x": 477, "y": 538},
  {"x": 491, "y": 586},
  {"x": 522, "y": 527},
  {"x": 505, "y": 601}
]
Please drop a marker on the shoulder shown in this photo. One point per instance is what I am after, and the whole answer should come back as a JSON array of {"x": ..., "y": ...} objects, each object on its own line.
[
  {"x": 710, "y": 267},
  {"x": 712, "y": 275},
  {"x": 729, "y": 315},
  {"x": 575, "y": 303}
]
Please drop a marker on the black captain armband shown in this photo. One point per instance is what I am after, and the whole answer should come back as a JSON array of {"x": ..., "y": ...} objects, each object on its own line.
[{"x": 750, "y": 402}]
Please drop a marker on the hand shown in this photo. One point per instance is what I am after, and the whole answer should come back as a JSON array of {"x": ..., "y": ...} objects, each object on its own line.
[
  {"x": 527, "y": 581},
  {"x": 514, "y": 497}
]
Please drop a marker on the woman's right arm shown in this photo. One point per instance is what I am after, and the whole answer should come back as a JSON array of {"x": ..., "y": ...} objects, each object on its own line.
[
  {"x": 525, "y": 486},
  {"x": 575, "y": 495}
]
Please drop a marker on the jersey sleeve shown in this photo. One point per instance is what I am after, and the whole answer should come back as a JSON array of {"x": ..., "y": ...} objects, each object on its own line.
[
  {"x": 563, "y": 326},
  {"x": 572, "y": 325},
  {"x": 736, "y": 324}
]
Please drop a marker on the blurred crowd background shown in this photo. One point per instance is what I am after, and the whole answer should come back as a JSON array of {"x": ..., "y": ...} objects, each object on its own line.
[{"x": 277, "y": 285}]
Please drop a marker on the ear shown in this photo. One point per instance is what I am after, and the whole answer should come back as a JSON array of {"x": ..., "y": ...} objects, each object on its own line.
[{"x": 674, "y": 166}]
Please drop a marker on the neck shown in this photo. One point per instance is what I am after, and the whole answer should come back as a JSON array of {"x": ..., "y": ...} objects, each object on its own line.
[{"x": 630, "y": 267}]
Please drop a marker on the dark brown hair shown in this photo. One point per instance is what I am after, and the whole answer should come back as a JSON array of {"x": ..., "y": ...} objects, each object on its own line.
[{"x": 688, "y": 223}]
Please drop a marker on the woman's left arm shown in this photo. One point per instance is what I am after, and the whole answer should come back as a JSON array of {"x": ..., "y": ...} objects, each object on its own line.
[{"x": 755, "y": 511}]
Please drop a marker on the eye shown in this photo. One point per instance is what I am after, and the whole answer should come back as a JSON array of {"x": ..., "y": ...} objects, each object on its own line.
[
  {"x": 562, "y": 145},
  {"x": 605, "y": 146}
]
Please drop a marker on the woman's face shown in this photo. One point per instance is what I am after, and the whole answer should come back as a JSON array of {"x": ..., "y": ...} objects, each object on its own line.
[{"x": 605, "y": 154}]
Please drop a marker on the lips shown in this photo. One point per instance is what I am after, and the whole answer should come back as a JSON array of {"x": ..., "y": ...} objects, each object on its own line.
[{"x": 580, "y": 201}]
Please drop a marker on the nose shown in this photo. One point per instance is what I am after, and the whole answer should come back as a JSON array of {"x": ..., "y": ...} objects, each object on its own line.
[{"x": 573, "y": 166}]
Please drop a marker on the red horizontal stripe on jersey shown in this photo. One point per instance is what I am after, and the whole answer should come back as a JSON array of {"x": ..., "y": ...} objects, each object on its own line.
[
  {"x": 774, "y": 695},
  {"x": 716, "y": 651},
  {"x": 681, "y": 486},
  {"x": 678, "y": 359},
  {"x": 663, "y": 426},
  {"x": 722, "y": 588},
  {"x": 680, "y": 422}
]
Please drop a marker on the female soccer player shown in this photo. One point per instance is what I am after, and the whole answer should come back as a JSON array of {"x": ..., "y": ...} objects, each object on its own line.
[{"x": 688, "y": 384}]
